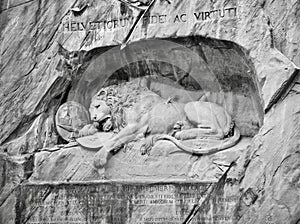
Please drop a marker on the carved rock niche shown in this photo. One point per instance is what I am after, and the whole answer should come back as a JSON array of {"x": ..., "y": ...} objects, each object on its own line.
[
  {"x": 165, "y": 181},
  {"x": 194, "y": 120},
  {"x": 178, "y": 70}
]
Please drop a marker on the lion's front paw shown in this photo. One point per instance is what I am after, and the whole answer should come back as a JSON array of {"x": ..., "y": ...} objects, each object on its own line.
[
  {"x": 89, "y": 129},
  {"x": 148, "y": 145},
  {"x": 100, "y": 159},
  {"x": 145, "y": 149},
  {"x": 180, "y": 135},
  {"x": 185, "y": 135}
]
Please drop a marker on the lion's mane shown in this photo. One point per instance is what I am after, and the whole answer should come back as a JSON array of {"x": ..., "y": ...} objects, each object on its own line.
[{"x": 119, "y": 98}]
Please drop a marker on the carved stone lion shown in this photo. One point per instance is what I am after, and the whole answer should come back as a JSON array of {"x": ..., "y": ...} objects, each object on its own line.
[{"x": 137, "y": 113}]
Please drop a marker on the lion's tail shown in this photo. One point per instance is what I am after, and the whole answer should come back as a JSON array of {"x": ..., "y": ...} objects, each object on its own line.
[{"x": 224, "y": 144}]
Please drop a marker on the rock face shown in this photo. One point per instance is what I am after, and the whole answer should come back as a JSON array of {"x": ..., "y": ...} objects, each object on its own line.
[
  {"x": 270, "y": 186},
  {"x": 242, "y": 55}
]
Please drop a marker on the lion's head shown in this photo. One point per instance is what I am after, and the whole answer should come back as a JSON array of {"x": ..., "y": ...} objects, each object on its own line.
[
  {"x": 100, "y": 111},
  {"x": 107, "y": 109},
  {"x": 109, "y": 104}
]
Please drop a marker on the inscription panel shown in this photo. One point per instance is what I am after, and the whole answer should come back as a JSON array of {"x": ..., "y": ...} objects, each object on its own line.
[
  {"x": 119, "y": 204},
  {"x": 105, "y": 25}
]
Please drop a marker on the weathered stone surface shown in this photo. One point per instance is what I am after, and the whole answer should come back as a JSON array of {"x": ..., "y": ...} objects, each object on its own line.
[
  {"x": 37, "y": 75},
  {"x": 270, "y": 185},
  {"x": 240, "y": 33},
  {"x": 282, "y": 71},
  {"x": 13, "y": 171},
  {"x": 250, "y": 28},
  {"x": 121, "y": 203},
  {"x": 7, "y": 210},
  {"x": 31, "y": 87},
  {"x": 75, "y": 164}
]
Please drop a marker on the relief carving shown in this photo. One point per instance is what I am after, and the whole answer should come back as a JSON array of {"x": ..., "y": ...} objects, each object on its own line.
[
  {"x": 70, "y": 118},
  {"x": 130, "y": 112}
]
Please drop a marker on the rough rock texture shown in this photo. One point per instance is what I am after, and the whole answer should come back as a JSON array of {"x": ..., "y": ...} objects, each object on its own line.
[
  {"x": 270, "y": 183},
  {"x": 37, "y": 74},
  {"x": 267, "y": 173},
  {"x": 13, "y": 171},
  {"x": 31, "y": 87}
]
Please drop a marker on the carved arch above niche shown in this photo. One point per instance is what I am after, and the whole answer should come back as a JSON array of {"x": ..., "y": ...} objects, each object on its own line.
[{"x": 192, "y": 66}]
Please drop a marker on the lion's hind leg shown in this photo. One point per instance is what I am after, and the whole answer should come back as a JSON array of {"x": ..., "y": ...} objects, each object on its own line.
[
  {"x": 111, "y": 146},
  {"x": 205, "y": 117}
]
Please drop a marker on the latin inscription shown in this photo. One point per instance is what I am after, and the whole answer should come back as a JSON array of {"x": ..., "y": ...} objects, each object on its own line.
[
  {"x": 117, "y": 204},
  {"x": 109, "y": 25},
  {"x": 94, "y": 31}
]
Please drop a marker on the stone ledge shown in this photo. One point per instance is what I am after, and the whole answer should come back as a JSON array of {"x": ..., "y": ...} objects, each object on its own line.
[{"x": 75, "y": 164}]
